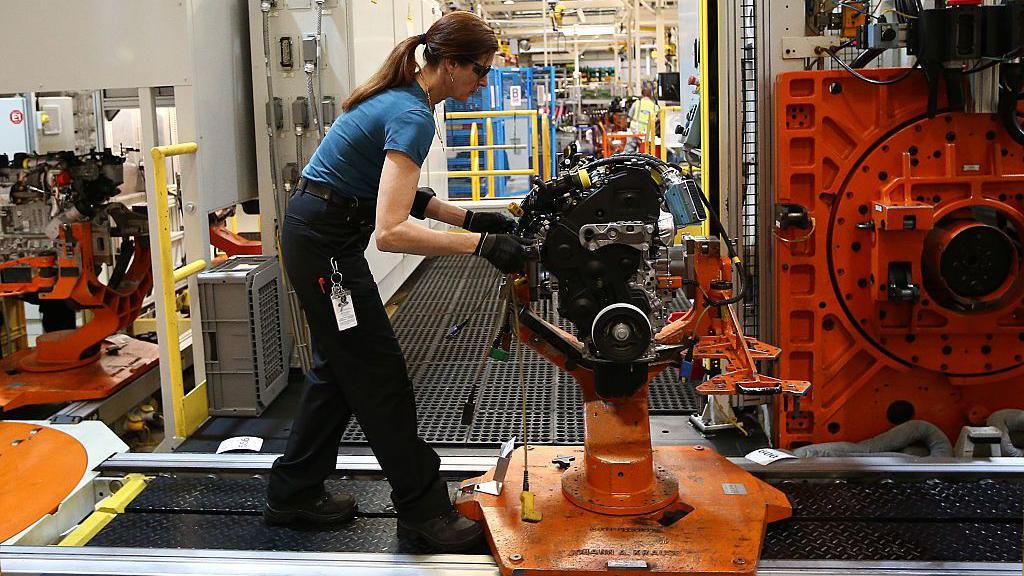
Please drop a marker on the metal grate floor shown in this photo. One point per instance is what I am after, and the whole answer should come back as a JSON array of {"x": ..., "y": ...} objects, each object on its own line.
[
  {"x": 465, "y": 398},
  {"x": 927, "y": 520}
]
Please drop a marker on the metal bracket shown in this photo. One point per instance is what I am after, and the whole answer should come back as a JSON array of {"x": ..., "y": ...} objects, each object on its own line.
[
  {"x": 800, "y": 47},
  {"x": 563, "y": 462}
]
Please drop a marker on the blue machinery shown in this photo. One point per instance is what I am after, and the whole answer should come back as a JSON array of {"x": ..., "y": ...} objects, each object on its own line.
[{"x": 512, "y": 137}]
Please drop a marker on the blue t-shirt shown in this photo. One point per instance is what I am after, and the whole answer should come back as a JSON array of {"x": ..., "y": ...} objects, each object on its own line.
[{"x": 351, "y": 156}]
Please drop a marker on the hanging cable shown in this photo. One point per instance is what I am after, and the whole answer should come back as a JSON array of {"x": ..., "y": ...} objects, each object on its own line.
[
  {"x": 864, "y": 78},
  {"x": 318, "y": 102},
  {"x": 274, "y": 175}
]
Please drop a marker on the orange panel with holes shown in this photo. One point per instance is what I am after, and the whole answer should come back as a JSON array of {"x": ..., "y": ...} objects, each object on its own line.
[{"x": 902, "y": 295}]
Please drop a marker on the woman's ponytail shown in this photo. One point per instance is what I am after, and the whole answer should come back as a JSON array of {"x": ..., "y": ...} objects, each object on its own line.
[{"x": 459, "y": 35}]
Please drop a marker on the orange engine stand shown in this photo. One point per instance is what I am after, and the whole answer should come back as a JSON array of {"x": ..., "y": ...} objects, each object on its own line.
[{"x": 622, "y": 505}]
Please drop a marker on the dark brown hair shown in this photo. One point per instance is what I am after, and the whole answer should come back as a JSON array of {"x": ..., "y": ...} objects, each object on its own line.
[{"x": 461, "y": 36}]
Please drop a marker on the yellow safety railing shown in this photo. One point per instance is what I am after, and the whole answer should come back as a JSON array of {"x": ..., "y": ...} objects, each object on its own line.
[
  {"x": 490, "y": 156},
  {"x": 475, "y": 173},
  {"x": 192, "y": 409},
  {"x": 474, "y": 160},
  {"x": 664, "y": 129},
  {"x": 546, "y": 151}
]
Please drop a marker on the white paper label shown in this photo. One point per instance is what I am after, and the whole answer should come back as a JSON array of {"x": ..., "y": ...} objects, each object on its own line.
[
  {"x": 247, "y": 443},
  {"x": 766, "y": 456},
  {"x": 515, "y": 94},
  {"x": 344, "y": 310}
]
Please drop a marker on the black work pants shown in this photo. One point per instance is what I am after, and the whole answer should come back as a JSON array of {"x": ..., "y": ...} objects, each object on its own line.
[{"x": 359, "y": 371}]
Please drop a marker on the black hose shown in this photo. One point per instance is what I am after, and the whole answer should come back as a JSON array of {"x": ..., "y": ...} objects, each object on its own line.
[
  {"x": 866, "y": 57},
  {"x": 1010, "y": 82}
]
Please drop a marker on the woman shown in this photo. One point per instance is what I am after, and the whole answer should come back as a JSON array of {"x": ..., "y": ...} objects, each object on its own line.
[{"x": 362, "y": 179}]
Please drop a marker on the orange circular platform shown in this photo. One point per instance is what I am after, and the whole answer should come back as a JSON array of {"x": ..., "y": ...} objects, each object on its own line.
[{"x": 39, "y": 467}]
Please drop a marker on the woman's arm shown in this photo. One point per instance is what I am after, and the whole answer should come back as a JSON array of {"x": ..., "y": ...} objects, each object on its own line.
[
  {"x": 446, "y": 212},
  {"x": 394, "y": 232}
]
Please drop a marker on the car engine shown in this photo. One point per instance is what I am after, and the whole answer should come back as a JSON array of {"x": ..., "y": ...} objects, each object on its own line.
[
  {"x": 604, "y": 232},
  {"x": 42, "y": 194}
]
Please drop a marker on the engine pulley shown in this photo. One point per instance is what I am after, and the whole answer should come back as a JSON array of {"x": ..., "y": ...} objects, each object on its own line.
[{"x": 622, "y": 332}]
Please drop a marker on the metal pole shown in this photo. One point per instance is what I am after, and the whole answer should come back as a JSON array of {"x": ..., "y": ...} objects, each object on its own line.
[
  {"x": 474, "y": 160},
  {"x": 544, "y": 16},
  {"x": 636, "y": 47},
  {"x": 659, "y": 43},
  {"x": 490, "y": 157},
  {"x": 147, "y": 107}
]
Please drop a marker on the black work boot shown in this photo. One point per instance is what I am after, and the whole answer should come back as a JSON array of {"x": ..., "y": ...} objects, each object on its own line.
[
  {"x": 449, "y": 532},
  {"x": 325, "y": 510}
]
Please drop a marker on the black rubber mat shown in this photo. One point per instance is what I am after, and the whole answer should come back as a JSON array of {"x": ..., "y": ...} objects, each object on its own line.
[
  {"x": 241, "y": 532},
  {"x": 932, "y": 500},
  {"x": 234, "y": 495},
  {"x": 907, "y": 541},
  {"x": 245, "y": 495}
]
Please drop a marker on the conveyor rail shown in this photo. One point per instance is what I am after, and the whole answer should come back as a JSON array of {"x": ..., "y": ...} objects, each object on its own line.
[{"x": 934, "y": 520}]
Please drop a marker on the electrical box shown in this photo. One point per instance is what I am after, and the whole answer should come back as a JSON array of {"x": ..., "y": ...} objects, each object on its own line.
[
  {"x": 55, "y": 124},
  {"x": 13, "y": 126}
]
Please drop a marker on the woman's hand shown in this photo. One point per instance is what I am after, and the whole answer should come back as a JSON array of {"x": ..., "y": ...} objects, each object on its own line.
[
  {"x": 490, "y": 222},
  {"x": 507, "y": 253}
]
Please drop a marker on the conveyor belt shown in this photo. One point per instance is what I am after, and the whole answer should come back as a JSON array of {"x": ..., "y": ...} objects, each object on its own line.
[{"x": 936, "y": 520}]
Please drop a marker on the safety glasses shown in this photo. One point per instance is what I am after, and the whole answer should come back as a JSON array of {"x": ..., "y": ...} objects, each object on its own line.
[{"x": 480, "y": 70}]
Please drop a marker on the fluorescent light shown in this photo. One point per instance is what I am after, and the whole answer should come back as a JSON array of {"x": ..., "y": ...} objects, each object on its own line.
[
  {"x": 590, "y": 30},
  {"x": 509, "y": 2}
]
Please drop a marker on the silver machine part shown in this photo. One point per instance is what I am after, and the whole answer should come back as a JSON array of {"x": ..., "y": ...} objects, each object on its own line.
[{"x": 634, "y": 234}]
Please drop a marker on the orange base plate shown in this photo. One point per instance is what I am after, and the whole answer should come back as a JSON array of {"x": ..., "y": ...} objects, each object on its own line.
[
  {"x": 40, "y": 467},
  {"x": 722, "y": 534},
  {"x": 90, "y": 382}
]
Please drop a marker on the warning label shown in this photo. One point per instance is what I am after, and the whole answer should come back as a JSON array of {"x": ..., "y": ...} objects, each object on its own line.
[{"x": 17, "y": 116}]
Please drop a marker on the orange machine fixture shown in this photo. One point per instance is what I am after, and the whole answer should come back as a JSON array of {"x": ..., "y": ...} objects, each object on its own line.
[
  {"x": 899, "y": 291},
  {"x": 89, "y": 367},
  {"x": 623, "y": 505}
]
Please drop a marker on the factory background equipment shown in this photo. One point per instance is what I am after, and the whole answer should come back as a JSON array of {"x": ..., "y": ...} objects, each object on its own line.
[
  {"x": 194, "y": 62},
  {"x": 58, "y": 227},
  {"x": 899, "y": 234},
  {"x": 898, "y": 260}
]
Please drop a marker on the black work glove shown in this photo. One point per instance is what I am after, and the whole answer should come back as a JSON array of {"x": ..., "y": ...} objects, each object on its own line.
[
  {"x": 490, "y": 222},
  {"x": 507, "y": 253}
]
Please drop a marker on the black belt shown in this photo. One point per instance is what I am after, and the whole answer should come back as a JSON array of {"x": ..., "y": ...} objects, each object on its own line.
[
  {"x": 358, "y": 209},
  {"x": 328, "y": 194}
]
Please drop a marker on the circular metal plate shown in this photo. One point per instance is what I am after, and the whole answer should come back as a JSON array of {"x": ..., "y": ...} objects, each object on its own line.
[{"x": 39, "y": 467}]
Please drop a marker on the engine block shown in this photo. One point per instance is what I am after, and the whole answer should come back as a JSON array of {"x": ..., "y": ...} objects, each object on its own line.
[{"x": 605, "y": 233}]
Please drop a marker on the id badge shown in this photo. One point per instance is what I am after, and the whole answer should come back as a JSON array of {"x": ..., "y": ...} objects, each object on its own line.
[
  {"x": 341, "y": 301},
  {"x": 344, "y": 309}
]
